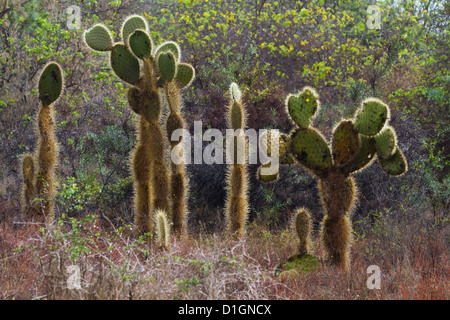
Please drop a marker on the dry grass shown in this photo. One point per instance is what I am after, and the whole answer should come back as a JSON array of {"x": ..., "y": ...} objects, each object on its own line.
[{"x": 115, "y": 265}]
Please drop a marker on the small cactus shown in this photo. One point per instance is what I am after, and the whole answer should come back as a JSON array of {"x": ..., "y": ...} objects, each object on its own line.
[
  {"x": 303, "y": 226},
  {"x": 355, "y": 144},
  {"x": 303, "y": 261},
  {"x": 162, "y": 229},
  {"x": 236, "y": 207}
]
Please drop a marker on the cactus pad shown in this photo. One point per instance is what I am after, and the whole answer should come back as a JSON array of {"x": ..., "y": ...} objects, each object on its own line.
[
  {"x": 125, "y": 64},
  {"x": 50, "y": 83},
  {"x": 170, "y": 46},
  {"x": 372, "y": 117},
  {"x": 186, "y": 74},
  {"x": 99, "y": 38},
  {"x": 303, "y": 107},
  {"x": 141, "y": 44},
  {"x": 345, "y": 143},
  {"x": 167, "y": 65},
  {"x": 366, "y": 154},
  {"x": 310, "y": 149},
  {"x": 132, "y": 24},
  {"x": 395, "y": 165},
  {"x": 386, "y": 142}
]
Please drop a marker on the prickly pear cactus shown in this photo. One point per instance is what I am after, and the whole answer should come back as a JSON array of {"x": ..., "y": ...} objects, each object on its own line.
[
  {"x": 175, "y": 76},
  {"x": 147, "y": 69},
  {"x": 151, "y": 181},
  {"x": 355, "y": 144},
  {"x": 39, "y": 169}
]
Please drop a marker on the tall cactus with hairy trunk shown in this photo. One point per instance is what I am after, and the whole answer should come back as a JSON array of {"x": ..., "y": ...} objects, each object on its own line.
[
  {"x": 236, "y": 206},
  {"x": 175, "y": 76},
  {"x": 355, "y": 145},
  {"x": 151, "y": 182},
  {"x": 160, "y": 68},
  {"x": 39, "y": 170}
]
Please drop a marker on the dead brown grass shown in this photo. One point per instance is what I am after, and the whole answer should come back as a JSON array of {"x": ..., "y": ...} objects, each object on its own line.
[{"x": 115, "y": 265}]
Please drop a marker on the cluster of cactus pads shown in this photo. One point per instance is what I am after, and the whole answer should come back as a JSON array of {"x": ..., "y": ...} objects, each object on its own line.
[
  {"x": 157, "y": 75},
  {"x": 39, "y": 168},
  {"x": 355, "y": 144}
]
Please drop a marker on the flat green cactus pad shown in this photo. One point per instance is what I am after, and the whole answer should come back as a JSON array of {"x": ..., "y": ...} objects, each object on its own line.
[
  {"x": 304, "y": 263},
  {"x": 372, "y": 117},
  {"x": 366, "y": 154},
  {"x": 125, "y": 64},
  {"x": 50, "y": 83},
  {"x": 303, "y": 107},
  {"x": 99, "y": 38},
  {"x": 386, "y": 142},
  {"x": 345, "y": 143},
  {"x": 395, "y": 165},
  {"x": 141, "y": 44},
  {"x": 186, "y": 74},
  {"x": 170, "y": 46},
  {"x": 130, "y": 25},
  {"x": 310, "y": 149},
  {"x": 167, "y": 65}
]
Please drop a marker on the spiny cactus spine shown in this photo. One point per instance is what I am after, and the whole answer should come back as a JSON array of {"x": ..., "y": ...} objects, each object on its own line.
[
  {"x": 236, "y": 207},
  {"x": 354, "y": 146}
]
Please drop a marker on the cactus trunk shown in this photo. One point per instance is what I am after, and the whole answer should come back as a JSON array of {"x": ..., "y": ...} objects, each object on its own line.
[
  {"x": 179, "y": 184},
  {"x": 28, "y": 174},
  {"x": 236, "y": 208},
  {"x": 46, "y": 157},
  {"x": 141, "y": 171}
]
